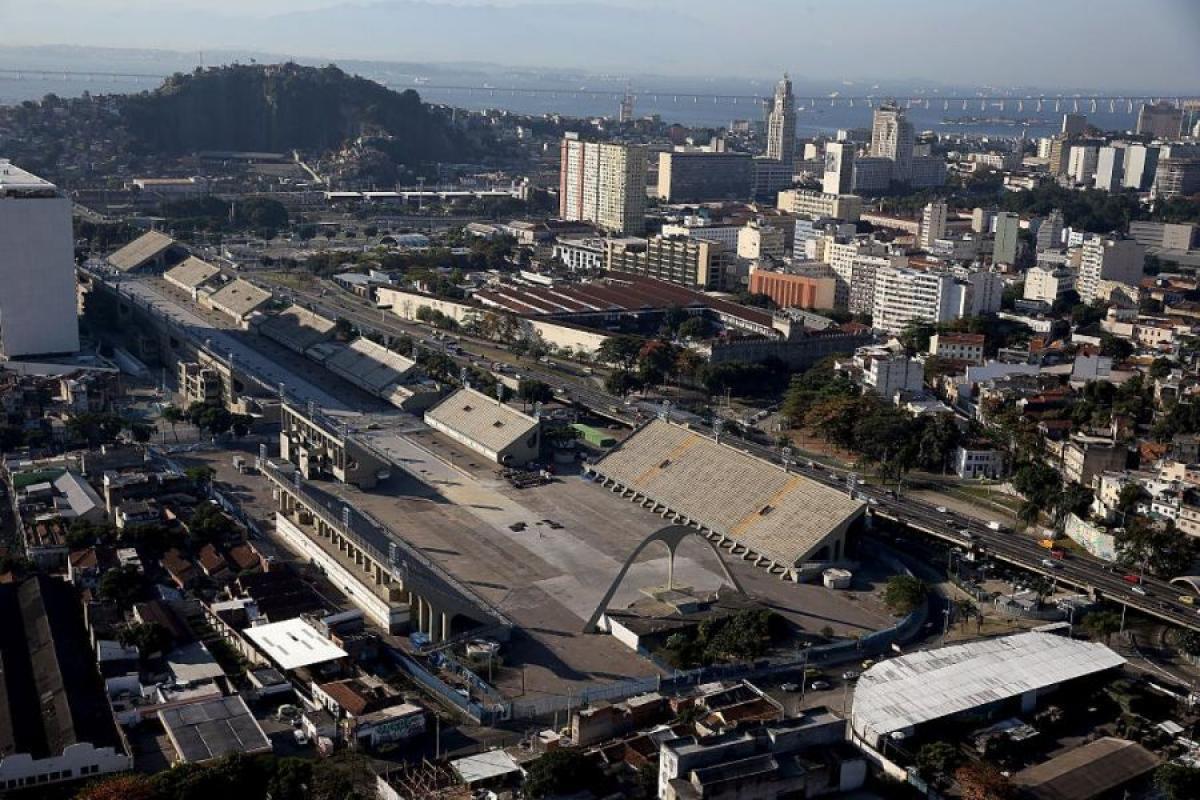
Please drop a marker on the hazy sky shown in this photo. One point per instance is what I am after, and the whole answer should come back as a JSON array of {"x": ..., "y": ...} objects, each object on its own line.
[{"x": 1117, "y": 44}]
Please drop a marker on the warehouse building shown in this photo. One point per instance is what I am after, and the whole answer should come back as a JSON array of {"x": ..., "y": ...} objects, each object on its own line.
[
  {"x": 988, "y": 677},
  {"x": 495, "y": 430},
  {"x": 757, "y": 510}
]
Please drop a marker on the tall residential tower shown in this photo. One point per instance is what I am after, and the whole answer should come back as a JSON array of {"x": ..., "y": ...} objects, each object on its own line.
[
  {"x": 604, "y": 184},
  {"x": 37, "y": 267}
]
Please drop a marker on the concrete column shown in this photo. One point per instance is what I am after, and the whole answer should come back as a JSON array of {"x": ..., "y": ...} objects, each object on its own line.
[
  {"x": 435, "y": 624},
  {"x": 445, "y": 626},
  {"x": 419, "y": 608}
]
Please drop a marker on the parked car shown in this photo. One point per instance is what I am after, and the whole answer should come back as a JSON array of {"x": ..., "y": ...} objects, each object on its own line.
[
  {"x": 820, "y": 686},
  {"x": 789, "y": 687}
]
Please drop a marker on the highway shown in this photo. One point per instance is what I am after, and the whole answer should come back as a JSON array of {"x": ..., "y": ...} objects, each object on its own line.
[{"x": 1082, "y": 571}]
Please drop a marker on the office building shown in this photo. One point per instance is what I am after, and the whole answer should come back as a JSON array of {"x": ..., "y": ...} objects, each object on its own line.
[
  {"x": 1081, "y": 166},
  {"x": 793, "y": 291},
  {"x": 604, "y": 184},
  {"x": 696, "y": 263},
  {"x": 1004, "y": 248},
  {"x": 984, "y": 292},
  {"x": 905, "y": 295},
  {"x": 757, "y": 240},
  {"x": 37, "y": 267},
  {"x": 1059, "y": 153},
  {"x": 1074, "y": 124},
  {"x": 838, "y": 177},
  {"x": 772, "y": 176},
  {"x": 872, "y": 174},
  {"x": 1049, "y": 233},
  {"x": 781, "y": 123},
  {"x": 1110, "y": 167},
  {"x": 1175, "y": 177},
  {"x": 1162, "y": 120},
  {"x": 810, "y": 203},
  {"x": 982, "y": 219},
  {"x": 1107, "y": 259},
  {"x": 933, "y": 225},
  {"x": 693, "y": 176},
  {"x": 1047, "y": 284},
  {"x": 855, "y": 265},
  {"x": 1141, "y": 162},
  {"x": 926, "y": 172},
  {"x": 892, "y": 138}
]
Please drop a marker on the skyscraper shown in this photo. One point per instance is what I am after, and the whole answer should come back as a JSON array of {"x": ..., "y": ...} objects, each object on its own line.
[
  {"x": 1049, "y": 233},
  {"x": 37, "y": 267},
  {"x": 838, "y": 177},
  {"x": 1008, "y": 227},
  {"x": 892, "y": 137},
  {"x": 1161, "y": 120},
  {"x": 781, "y": 123},
  {"x": 604, "y": 184},
  {"x": 933, "y": 224}
]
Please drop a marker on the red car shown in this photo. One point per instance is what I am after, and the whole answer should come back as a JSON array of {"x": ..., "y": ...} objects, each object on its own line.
[{"x": 1134, "y": 579}]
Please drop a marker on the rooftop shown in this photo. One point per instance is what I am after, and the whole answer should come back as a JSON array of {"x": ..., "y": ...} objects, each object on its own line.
[
  {"x": 1092, "y": 770},
  {"x": 485, "y": 766},
  {"x": 140, "y": 251},
  {"x": 297, "y": 328},
  {"x": 238, "y": 298},
  {"x": 16, "y": 181},
  {"x": 482, "y": 419},
  {"x": 931, "y": 684},
  {"x": 293, "y": 644},
  {"x": 777, "y": 514},
  {"x": 192, "y": 272},
  {"x": 367, "y": 364},
  {"x": 215, "y": 728}
]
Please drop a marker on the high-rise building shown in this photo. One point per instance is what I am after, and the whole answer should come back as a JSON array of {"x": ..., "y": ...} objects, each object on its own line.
[
  {"x": 625, "y": 112},
  {"x": 1177, "y": 176},
  {"x": 839, "y": 168},
  {"x": 872, "y": 174},
  {"x": 933, "y": 224},
  {"x": 604, "y": 184},
  {"x": 1082, "y": 164},
  {"x": 781, "y": 123},
  {"x": 693, "y": 176},
  {"x": 1161, "y": 120},
  {"x": 810, "y": 203},
  {"x": 1108, "y": 259},
  {"x": 905, "y": 295},
  {"x": 982, "y": 219},
  {"x": 1059, "y": 153},
  {"x": 1141, "y": 162},
  {"x": 1110, "y": 167},
  {"x": 757, "y": 240},
  {"x": 1074, "y": 124},
  {"x": 1049, "y": 234},
  {"x": 1047, "y": 284},
  {"x": 1008, "y": 228},
  {"x": 37, "y": 267},
  {"x": 892, "y": 138}
]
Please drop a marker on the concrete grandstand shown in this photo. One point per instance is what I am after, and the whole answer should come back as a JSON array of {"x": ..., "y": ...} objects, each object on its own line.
[{"x": 754, "y": 508}]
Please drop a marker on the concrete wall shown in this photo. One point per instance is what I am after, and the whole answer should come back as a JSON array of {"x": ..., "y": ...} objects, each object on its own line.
[
  {"x": 37, "y": 277},
  {"x": 405, "y": 304},
  {"x": 576, "y": 339},
  {"x": 22, "y": 769}
]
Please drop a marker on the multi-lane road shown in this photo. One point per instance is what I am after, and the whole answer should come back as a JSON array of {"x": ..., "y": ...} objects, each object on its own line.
[{"x": 1156, "y": 598}]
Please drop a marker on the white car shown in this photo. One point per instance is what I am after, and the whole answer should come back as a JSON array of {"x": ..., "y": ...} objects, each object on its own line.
[{"x": 943, "y": 510}]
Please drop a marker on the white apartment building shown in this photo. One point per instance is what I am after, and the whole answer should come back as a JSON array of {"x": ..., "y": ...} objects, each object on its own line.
[
  {"x": 1046, "y": 284},
  {"x": 1004, "y": 248},
  {"x": 838, "y": 177},
  {"x": 810, "y": 203},
  {"x": 1107, "y": 259},
  {"x": 756, "y": 241},
  {"x": 984, "y": 292},
  {"x": 604, "y": 184},
  {"x": 855, "y": 264},
  {"x": 1081, "y": 165},
  {"x": 581, "y": 255},
  {"x": 1141, "y": 162},
  {"x": 905, "y": 295},
  {"x": 933, "y": 225},
  {"x": 958, "y": 346},
  {"x": 892, "y": 138},
  {"x": 886, "y": 373},
  {"x": 695, "y": 228},
  {"x": 37, "y": 267},
  {"x": 1110, "y": 167}
]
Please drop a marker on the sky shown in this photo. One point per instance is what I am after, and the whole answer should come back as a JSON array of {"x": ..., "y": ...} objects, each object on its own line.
[{"x": 1115, "y": 45}]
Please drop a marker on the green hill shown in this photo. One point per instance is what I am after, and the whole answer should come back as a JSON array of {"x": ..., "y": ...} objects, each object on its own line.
[{"x": 276, "y": 108}]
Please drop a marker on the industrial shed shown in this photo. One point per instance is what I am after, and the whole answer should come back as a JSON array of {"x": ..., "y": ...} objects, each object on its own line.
[
  {"x": 148, "y": 250},
  {"x": 487, "y": 426},
  {"x": 779, "y": 519}
]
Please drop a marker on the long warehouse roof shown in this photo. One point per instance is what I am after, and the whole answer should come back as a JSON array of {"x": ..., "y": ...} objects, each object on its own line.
[
  {"x": 902, "y": 692},
  {"x": 141, "y": 250},
  {"x": 777, "y": 514}
]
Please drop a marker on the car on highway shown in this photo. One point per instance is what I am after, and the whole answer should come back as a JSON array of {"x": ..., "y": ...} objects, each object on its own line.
[
  {"x": 820, "y": 686},
  {"x": 1139, "y": 590},
  {"x": 850, "y": 675},
  {"x": 943, "y": 510},
  {"x": 1050, "y": 563},
  {"x": 789, "y": 687},
  {"x": 1134, "y": 579}
]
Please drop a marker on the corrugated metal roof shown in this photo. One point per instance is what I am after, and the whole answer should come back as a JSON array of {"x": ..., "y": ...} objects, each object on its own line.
[{"x": 920, "y": 687}]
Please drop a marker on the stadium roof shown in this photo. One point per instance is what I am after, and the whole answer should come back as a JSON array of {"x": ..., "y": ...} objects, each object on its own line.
[
  {"x": 238, "y": 298},
  {"x": 297, "y": 328},
  {"x": 902, "y": 692},
  {"x": 293, "y": 644},
  {"x": 485, "y": 421},
  {"x": 369, "y": 365},
  {"x": 141, "y": 251},
  {"x": 774, "y": 513},
  {"x": 213, "y": 728},
  {"x": 192, "y": 272}
]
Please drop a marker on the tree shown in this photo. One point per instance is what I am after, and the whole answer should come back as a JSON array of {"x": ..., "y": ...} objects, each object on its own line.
[
  {"x": 1188, "y": 642},
  {"x": 119, "y": 787},
  {"x": 697, "y": 327},
  {"x": 1115, "y": 347},
  {"x": 936, "y": 761},
  {"x": 621, "y": 382},
  {"x": 1177, "y": 781},
  {"x": 201, "y": 474},
  {"x": 903, "y": 594},
  {"x": 122, "y": 585},
  {"x": 140, "y": 433},
  {"x": 622, "y": 350},
  {"x": 148, "y": 637},
  {"x": 982, "y": 781},
  {"x": 216, "y": 420},
  {"x": 534, "y": 391},
  {"x": 1102, "y": 624},
  {"x": 564, "y": 771},
  {"x": 240, "y": 424},
  {"x": 1162, "y": 549},
  {"x": 209, "y": 524}
]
